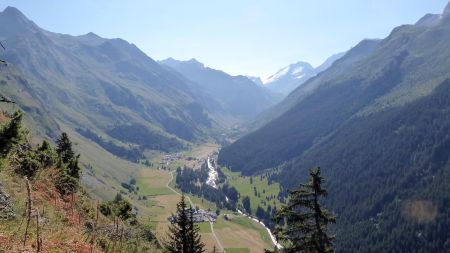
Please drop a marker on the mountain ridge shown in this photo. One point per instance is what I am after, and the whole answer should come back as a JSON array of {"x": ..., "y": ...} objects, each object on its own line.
[
  {"x": 235, "y": 96},
  {"x": 377, "y": 123}
]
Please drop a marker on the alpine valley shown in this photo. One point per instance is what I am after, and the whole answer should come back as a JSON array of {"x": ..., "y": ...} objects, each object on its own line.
[{"x": 104, "y": 149}]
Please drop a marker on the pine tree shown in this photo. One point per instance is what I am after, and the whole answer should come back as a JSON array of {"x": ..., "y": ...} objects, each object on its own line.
[
  {"x": 177, "y": 242},
  {"x": 246, "y": 204},
  {"x": 183, "y": 234},
  {"x": 194, "y": 238},
  {"x": 64, "y": 148},
  {"x": 306, "y": 221},
  {"x": 73, "y": 169}
]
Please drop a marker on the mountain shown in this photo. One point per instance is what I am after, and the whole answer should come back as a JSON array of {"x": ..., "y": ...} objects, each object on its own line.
[
  {"x": 294, "y": 75},
  {"x": 108, "y": 86},
  {"x": 377, "y": 123},
  {"x": 290, "y": 77},
  {"x": 231, "y": 96},
  {"x": 329, "y": 61},
  {"x": 256, "y": 80},
  {"x": 345, "y": 62}
]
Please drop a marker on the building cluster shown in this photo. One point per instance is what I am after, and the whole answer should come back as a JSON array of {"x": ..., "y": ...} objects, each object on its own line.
[
  {"x": 169, "y": 158},
  {"x": 200, "y": 216}
]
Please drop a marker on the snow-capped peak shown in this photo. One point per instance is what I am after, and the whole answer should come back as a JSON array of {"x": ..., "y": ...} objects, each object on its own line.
[{"x": 296, "y": 70}]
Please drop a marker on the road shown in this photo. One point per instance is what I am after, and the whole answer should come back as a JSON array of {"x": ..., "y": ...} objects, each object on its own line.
[{"x": 176, "y": 192}]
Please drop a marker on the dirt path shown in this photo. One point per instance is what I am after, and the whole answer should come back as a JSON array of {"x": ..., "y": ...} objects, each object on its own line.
[
  {"x": 176, "y": 192},
  {"x": 192, "y": 204},
  {"x": 215, "y": 237}
]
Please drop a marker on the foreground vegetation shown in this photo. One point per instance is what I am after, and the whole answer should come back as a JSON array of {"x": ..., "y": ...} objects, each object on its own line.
[{"x": 58, "y": 215}]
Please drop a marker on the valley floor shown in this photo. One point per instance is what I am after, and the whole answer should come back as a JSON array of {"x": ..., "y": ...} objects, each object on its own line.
[{"x": 238, "y": 234}]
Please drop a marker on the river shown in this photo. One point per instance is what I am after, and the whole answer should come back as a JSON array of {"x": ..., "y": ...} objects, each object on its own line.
[
  {"x": 212, "y": 174},
  {"x": 212, "y": 178}
]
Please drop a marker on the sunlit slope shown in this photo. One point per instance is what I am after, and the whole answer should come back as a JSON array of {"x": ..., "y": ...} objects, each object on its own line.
[{"x": 105, "y": 85}]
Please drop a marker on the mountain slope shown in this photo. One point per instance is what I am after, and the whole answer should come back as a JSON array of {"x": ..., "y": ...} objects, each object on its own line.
[
  {"x": 103, "y": 85},
  {"x": 18, "y": 90},
  {"x": 403, "y": 68},
  {"x": 234, "y": 96},
  {"x": 378, "y": 126},
  {"x": 351, "y": 59}
]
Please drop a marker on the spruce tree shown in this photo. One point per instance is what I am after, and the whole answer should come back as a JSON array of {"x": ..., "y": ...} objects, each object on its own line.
[
  {"x": 306, "y": 221},
  {"x": 73, "y": 168},
  {"x": 194, "y": 238},
  {"x": 184, "y": 234},
  {"x": 178, "y": 240},
  {"x": 64, "y": 148}
]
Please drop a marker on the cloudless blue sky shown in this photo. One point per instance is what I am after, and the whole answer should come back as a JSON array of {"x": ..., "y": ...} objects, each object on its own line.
[{"x": 251, "y": 37}]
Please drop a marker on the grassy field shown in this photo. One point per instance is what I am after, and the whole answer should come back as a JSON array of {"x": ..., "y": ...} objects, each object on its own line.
[
  {"x": 237, "y": 250},
  {"x": 239, "y": 235},
  {"x": 246, "y": 188}
]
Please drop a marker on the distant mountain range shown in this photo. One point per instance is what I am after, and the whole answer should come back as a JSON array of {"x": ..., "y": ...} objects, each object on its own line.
[
  {"x": 290, "y": 77},
  {"x": 377, "y": 121},
  {"x": 233, "y": 97}
]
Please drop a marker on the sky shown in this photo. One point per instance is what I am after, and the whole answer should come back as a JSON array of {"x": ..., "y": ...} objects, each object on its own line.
[{"x": 246, "y": 37}]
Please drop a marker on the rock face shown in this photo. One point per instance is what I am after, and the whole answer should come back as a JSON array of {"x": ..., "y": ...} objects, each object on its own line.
[{"x": 6, "y": 210}]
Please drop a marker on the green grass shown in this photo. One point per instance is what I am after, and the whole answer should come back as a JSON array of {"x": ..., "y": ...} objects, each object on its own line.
[
  {"x": 237, "y": 250},
  {"x": 245, "y": 188},
  {"x": 245, "y": 223},
  {"x": 147, "y": 190},
  {"x": 204, "y": 227},
  {"x": 203, "y": 203}
]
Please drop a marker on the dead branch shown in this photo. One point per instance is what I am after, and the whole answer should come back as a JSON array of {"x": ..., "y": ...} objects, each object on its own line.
[{"x": 28, "y": 210}]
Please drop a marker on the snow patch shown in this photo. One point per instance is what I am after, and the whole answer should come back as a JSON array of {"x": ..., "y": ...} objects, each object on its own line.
[
  {"x": 276, "y": 76},
  {"x": 297, "y": 71}
]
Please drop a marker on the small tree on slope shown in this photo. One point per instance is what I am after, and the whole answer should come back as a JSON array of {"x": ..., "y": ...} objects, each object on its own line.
[{"x": 64, "y": 148}]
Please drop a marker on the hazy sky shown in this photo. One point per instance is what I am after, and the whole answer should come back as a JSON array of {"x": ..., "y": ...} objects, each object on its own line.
[{"x": 250, "y": 37}]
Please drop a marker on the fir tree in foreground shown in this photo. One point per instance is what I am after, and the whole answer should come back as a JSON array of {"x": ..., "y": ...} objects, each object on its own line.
[
  {"x": 184, "y": 234},
  {"x": 306, "y": 222}
]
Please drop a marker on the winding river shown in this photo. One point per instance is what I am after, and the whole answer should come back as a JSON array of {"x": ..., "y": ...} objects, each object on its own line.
[{"x": 212, "y": 178}]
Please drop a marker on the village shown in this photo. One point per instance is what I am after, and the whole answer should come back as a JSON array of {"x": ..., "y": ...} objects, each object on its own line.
[
  {"x": 169, "y": 158},
  {"x": 200, "y": 216}
]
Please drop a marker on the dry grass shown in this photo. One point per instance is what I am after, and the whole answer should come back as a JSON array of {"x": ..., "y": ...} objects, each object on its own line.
[
  {"x": 201, "y": 153},
  {"x": 61, "y": 223},
  {"x": 3, "y": 117},
  {"x": 209, "y": 242}
]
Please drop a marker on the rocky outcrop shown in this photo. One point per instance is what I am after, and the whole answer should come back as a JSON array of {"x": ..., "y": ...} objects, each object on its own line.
[{"x": 6, "y": 210}]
